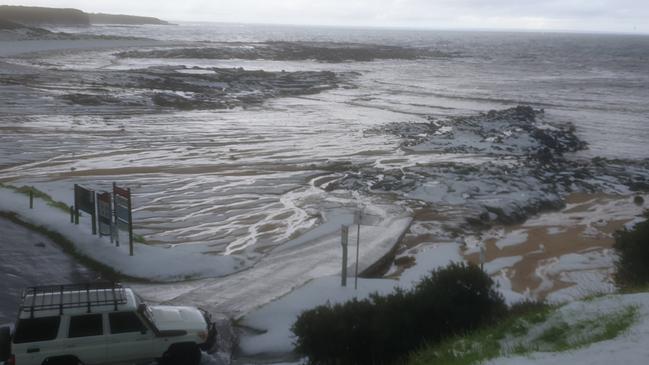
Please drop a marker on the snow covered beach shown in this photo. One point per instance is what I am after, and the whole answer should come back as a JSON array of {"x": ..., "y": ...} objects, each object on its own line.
[{"x": 246, "y": 197}]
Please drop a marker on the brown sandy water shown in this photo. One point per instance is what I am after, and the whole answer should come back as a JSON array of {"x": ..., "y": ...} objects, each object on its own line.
[
  {"x": 580, "y": 228},
  {"x": 567, "y": 251}
]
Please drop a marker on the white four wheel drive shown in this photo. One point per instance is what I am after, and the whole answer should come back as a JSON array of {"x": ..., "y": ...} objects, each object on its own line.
[{"x": 103, "y": 323}]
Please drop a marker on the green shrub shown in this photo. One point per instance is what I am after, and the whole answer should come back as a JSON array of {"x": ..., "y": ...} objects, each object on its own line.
[
  {"x": 632, "y": 247},
  {"x": 384, "y": 329},
  {"x": 456, "y": 299}
]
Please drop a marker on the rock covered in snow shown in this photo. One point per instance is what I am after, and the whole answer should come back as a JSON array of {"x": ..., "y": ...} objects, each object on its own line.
[{"x": 500, "y": 166}]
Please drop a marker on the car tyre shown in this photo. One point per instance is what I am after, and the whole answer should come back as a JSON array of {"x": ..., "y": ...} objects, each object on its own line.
[
  {"x": 189, "y": 354},
  {"x": 5, "y": 343},
  {"x": 62, "y": 360}
]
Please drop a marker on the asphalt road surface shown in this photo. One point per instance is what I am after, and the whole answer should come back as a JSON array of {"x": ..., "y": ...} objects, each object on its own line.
[{"x": 28, "y": 258}]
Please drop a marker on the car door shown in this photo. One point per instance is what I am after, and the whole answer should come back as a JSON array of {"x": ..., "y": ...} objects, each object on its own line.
[
  {"x": 129, "y": 338},
  {"x": 35, "y": 339},
  {"x": 86, "y": 338}
]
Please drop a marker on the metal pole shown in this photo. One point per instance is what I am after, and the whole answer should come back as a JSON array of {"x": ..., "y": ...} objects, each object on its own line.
[
  {"x": 343, "y": 242},
  {"x": 358, "y": 245},
  {"x": 130, "y": 224},
  {"x": 31, "y": 198}
]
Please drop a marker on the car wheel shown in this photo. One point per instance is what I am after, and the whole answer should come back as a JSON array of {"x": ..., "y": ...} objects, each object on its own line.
[
  {"x": 63, "y": 360},
  {"x": 182, "y": 355},
  {"x": 5, "y": 343}
]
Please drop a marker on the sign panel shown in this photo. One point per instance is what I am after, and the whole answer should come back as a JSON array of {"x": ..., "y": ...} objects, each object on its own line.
[
  {"x": 122, "y": 211},
  {"x": 123, "y": 214},
  {"x": 84, "y": 199},
  {"x": 104, "y": 214}
]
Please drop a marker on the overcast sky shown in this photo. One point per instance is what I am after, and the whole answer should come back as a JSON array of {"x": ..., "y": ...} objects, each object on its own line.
[{"x": 574, "y": 15}]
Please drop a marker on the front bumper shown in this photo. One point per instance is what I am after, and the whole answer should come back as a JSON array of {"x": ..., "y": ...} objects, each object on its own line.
[{"x": 210, "y": 343}]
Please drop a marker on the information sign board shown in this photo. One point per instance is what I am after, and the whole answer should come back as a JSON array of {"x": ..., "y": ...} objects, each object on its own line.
[
  {"x": 123, "y": 214},
  {"x": 104, "y": 214},
  {"x": 84, "y": 199}
]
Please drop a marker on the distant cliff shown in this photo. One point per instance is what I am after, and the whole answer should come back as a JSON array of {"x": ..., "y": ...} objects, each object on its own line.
[
  {"x": 101, "y": 18},
  {"x": 30, "y": 15}
]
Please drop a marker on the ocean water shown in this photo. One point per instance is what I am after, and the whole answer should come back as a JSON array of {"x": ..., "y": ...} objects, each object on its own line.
[
  {"x": 247, "y": 180},
  {"x": 597, "y": 81}
]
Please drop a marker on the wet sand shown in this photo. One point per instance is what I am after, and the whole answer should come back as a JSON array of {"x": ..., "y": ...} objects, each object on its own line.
[{"x": 583, "y": 228}]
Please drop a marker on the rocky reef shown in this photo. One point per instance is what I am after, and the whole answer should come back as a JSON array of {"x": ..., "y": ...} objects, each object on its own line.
[
  {"x": 501, "y": 166},
  {"x": 290, "y": 51},
  {"x": 175, "y": 87}
]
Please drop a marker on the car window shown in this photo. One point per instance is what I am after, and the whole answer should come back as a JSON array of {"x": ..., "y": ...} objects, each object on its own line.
[
  {"x": 123, "y": 322},
  {"x": 86, "y": 325},
  {"x": 36, "y": 329}
]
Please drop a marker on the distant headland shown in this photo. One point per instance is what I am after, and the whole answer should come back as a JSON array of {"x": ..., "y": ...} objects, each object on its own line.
[{"x": 34, "y": 16}]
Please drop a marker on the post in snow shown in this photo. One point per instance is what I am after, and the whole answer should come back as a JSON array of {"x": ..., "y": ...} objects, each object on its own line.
[
  {"x": 482, "y": 257},
  {"x": 358, "y": 245},
  {"x": 343, "y": 242}
]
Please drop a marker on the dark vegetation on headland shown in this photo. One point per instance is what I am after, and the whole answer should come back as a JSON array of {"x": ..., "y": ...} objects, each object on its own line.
[
  {"x": 31, "y": 15},
  {"x": 36, "y": 16},
  {"x": 455, "y": 316},
  {"x": 101, "y": 18}
]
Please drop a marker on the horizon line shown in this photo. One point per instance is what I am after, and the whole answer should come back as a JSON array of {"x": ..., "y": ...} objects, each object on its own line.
[{"x": 419, "y": 28}]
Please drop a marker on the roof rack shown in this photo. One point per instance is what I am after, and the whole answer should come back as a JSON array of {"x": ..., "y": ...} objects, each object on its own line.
[{"x": 64, "y": 296}]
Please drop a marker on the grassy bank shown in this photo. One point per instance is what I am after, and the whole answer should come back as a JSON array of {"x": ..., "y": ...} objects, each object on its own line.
[
  {"x": 545, "y": 330},
  {"x": 25, "y": 190}
]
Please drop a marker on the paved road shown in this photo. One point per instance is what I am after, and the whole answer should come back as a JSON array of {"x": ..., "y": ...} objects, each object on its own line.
[{"x": 28, "y": 258}]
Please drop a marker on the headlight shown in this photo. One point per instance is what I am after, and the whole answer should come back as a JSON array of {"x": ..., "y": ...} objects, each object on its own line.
[{"x": 202, "y": 335}]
